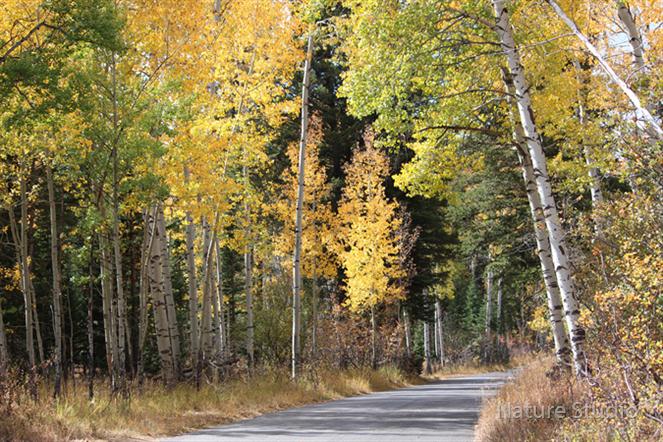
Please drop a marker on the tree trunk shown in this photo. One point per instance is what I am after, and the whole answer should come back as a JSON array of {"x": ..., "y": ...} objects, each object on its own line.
[
  {"x": 206, "y": 345},
  {"x": 489, "y": 302},
  {"x": 440, "y": 334},
  {"x": 121, "y": 313},
  {"x": 642, "y": 114},
  {"x": 408, "y": 333},
  {"x": 4, "y": 352},
  {"x": 157, "y": 292},
  {"x": 248, "y": 292},
  {"x": 560, "y": 337},
  {"x": 498, "y": 313},
  {"x": 296, "y": 260},
  {"x": 374, "y": 338},
  {"x": 428, "y": 368},
  {"x": 173, "y": 331},
  {"x": 108, "y": 311},
  {"x": 193, "y": 284},
  {"x": 57, "y": 291},
  {"x": 219, "y": 322},
  {"x": 22, "y": 245},
  {"x": 145, "y": 254},
  {"x": 634, "y": 37},
  {"x": 556, "y": 233},
  {"x": 90, "y": 324}
]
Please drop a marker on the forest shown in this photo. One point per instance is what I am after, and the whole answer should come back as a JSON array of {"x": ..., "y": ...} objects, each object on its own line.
[{"x": 217, "y": 197}]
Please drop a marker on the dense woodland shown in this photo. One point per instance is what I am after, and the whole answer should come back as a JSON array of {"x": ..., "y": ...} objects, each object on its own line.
[{"x": 198, "y": 190}]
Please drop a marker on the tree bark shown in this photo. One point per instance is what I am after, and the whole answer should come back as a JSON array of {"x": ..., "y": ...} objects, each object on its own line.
[
  {"x": 296, "y": 260},
  {"x": 4, "y": 351},
  {"x": 173, "y": 330},
  {"x": 634, "y": 37},
  {"x": 428, "y": 368},
  {"x": 440, "y": 333},
  {"x": 193, "y": 284},
  {"x": 374, "y": 338},
  {"x": 157, "y": 292},
  {"x": 90, "y": 324},
  {"x": 556, "y": 233},
  {"x": 57, "y": 291},
  {"x": 408, "y": 333}
]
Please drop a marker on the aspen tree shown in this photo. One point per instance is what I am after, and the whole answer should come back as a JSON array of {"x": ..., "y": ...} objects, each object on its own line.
[
  {"x": 555, "y": 314},
  {"x": 556, "y": 234},
  {"x": 296, "y": 259},
  {"x": 57, "y": 290}
]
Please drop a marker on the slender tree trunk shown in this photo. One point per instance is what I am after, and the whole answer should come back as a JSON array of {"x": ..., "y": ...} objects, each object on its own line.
[
  {"x": 408, "y": 333},
  {"x": 121, "y": 319},
  {"x": 57, "y": 291},
  {"x": 643, "y": 115},
  {"x": 489, "y": 302},
  {"x": 440, "y": 333},
  {"x": 592, "y": 170},
  {"x": 428, "y": 368},
  {"x": 112, "y": 354},
  {"x": 556, "y": 233},
  {"x": 498, "y": 313},
  {"x": 35, "y": 315},
  {"x": 26, "y": 284},
  {"x": 90, "y": 324},
  {"x": 248, "y": 291},
  {"x": 169, "y": 298},
  {"x": 206, "y": 346},
  {"x": 4, "y": 351},
  {"x": 193, "y": 284},
  {"x": 634, "y": 37},
  {"x": 219, "y": 322},
  {"x": 296, "y": 260},
  {"x": 436, "y": 333},
  {"x": 143, "y": 293},
  {"x": 374, "y": 338}
]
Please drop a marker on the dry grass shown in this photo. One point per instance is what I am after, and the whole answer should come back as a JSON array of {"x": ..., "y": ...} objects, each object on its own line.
[
  {"x": 519, "y": 360},
  {"x": 158, "y": 411},
  {"x": 537, "y": 392}
]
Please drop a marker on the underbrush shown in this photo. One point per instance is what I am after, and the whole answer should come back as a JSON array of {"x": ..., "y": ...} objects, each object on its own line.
[
  {"x": 544, "y": 403},
  {"x": 155, "y": 410}
]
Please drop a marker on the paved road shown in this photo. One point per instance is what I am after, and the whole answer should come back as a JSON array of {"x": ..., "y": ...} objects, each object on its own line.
[{"x": 440, "y": 411}]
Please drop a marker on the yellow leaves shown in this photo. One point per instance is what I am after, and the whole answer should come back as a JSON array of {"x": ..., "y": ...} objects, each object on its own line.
[{"x": 368, "y": 247}]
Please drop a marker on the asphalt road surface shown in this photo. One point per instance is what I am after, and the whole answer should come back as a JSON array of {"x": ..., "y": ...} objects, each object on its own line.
[{"x": 440, "y": 411}]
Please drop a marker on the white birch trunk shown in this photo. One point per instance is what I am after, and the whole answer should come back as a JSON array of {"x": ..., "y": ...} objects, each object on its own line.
[
  {"x": 428, "y": 367},
  {"x": 157, "y": 292},
  {"x": 498, "y": 312},
  {"x": 634, "y": 37},
  {"x": 57, "y": 291},
  {"x": 193, "y": 284},
  {"x": 556, "y": 233},
  {"x": 440, "y": 332},
  {"x": 489, "y": 302},
  {"x": 296, "y": 259},
  {"x": 109, "y": 316},
  {"x": 643, "y": 115},
  {"x": 173, "y": 330},
  {"x": 554, "y": 299},
  {"x": 408, "y": 333}
]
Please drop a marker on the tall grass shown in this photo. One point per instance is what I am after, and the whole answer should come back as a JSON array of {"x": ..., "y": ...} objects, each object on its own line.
[{"x": 155, "y": 410}]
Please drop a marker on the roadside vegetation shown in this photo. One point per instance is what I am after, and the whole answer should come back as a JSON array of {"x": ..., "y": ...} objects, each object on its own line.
[{"x": 246, "y": 205}]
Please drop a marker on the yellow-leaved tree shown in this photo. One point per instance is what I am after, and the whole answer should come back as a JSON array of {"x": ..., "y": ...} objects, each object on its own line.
[
  {"x": 318, "y": 232},
  {"x": 368, "y": 244}
]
